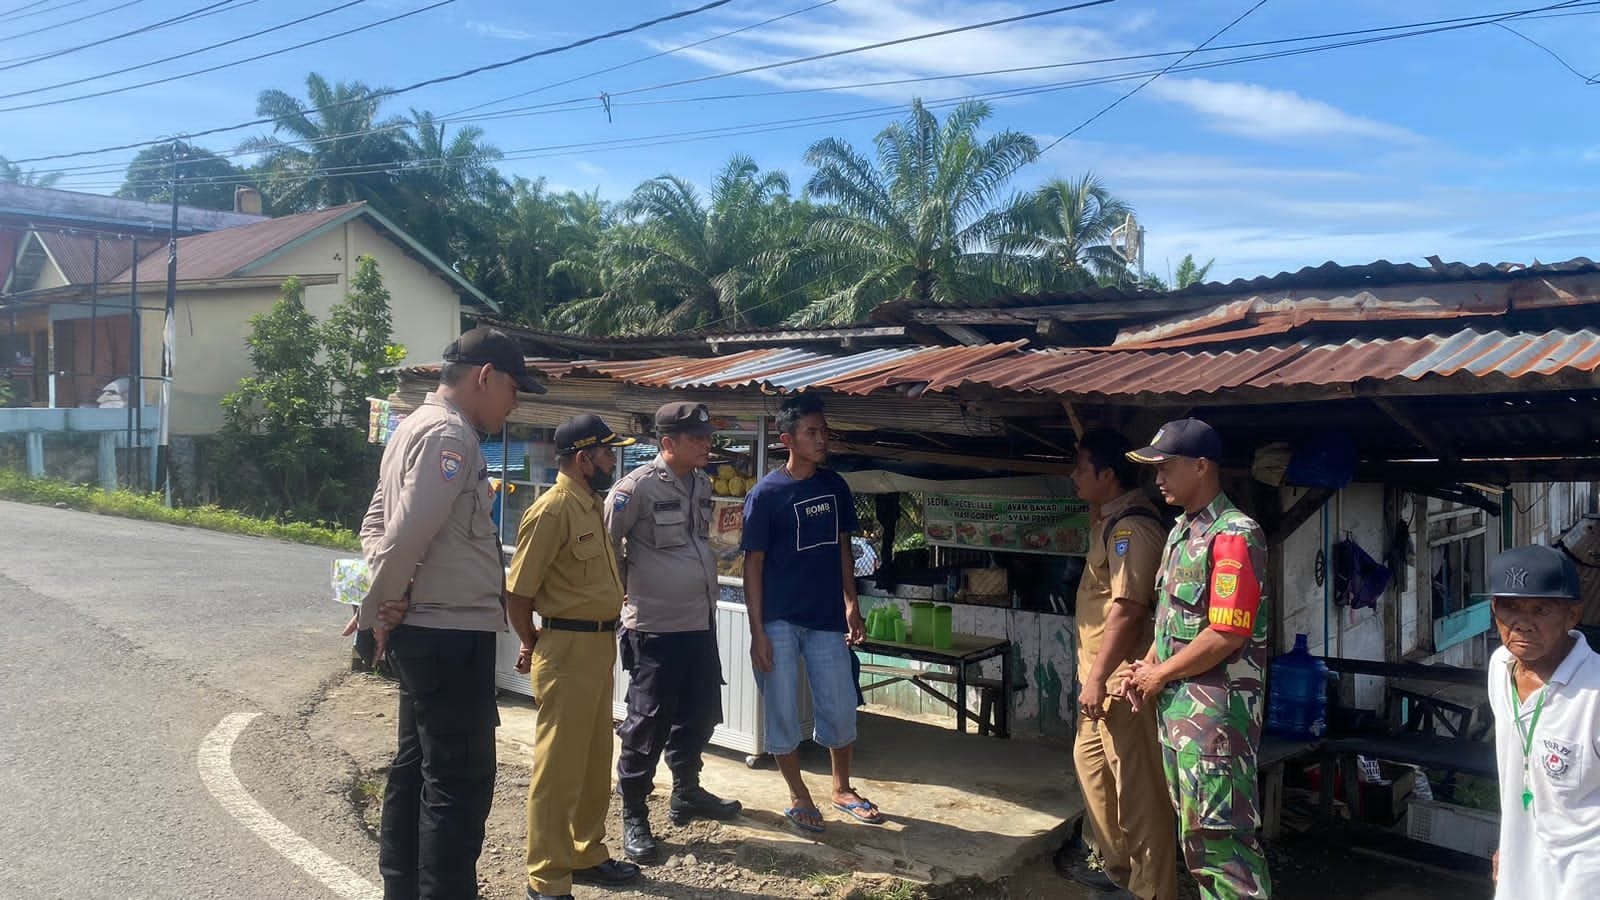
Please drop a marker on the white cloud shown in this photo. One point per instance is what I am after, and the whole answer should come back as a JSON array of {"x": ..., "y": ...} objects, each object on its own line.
[
  {"x": 1254, "y": 111},
  {"x": 1064, "y": 38},
  {"x": 500, "y": 32}
]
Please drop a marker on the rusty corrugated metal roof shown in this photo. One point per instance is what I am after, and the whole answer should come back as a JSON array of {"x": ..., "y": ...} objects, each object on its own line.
[
  {"x": 219, "y": 254},
  {"x": 74, "y": 255},
  {"x": 1494, "y": 357},
  {"x": 1327, "y": 275}
]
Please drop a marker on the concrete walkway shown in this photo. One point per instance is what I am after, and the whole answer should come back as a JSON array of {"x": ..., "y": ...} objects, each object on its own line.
[{"x": 959, "y": 806}]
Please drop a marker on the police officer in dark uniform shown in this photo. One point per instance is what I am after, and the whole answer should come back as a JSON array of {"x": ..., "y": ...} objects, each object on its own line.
[{"x": 659, "y": 515}]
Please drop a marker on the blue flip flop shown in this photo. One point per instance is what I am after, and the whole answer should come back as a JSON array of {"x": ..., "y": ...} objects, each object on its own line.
[
  {"x": 793, "y": 815},
  {"x": 862, "y": 805}
]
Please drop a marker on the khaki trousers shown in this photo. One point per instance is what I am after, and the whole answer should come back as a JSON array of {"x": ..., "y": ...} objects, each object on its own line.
[
  {"x": 1124, "y": 792},
  {"x": 570, "y": 789}
]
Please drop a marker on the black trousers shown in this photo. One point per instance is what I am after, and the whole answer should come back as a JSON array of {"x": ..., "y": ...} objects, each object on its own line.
[
  {"x": 442, "y": 780},
  {"x": 674, "y": 703}
]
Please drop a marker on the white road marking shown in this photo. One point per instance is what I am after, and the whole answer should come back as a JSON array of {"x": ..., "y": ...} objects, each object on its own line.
[{"x": 216, "y": 770}]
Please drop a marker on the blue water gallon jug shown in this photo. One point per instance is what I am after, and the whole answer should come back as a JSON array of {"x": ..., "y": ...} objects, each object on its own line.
[{"x": 1297, "y": 707}]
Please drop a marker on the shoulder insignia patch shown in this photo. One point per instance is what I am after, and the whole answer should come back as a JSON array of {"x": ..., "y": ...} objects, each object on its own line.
[
  {"x": 1121, "y": 546},
  {"x": 1227, "y": 584},
  {"x": 620, "y": 501},
  {"x": 449, "y": 464}
]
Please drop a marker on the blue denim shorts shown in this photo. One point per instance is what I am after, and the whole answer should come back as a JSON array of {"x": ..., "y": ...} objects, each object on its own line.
[{"x": 830, "y": 673}]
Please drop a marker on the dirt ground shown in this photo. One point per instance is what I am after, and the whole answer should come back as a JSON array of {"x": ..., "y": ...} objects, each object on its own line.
[{"x": 704, "y": 860}]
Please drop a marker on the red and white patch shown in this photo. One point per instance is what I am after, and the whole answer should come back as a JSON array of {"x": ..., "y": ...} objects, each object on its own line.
[{"x": 1235, "y": 595}]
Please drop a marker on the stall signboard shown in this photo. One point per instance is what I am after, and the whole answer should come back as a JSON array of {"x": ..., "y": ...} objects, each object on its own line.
[
  {"x": 727, "y": 530},
  {"x": 1058, "y": 526}
]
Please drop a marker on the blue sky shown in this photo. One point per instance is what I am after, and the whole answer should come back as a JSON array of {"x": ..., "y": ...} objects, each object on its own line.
[{"x": 1471, "y": 144}]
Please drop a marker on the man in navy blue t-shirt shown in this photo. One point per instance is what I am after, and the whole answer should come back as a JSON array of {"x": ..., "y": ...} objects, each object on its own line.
[{"x": 799, "y": 585}]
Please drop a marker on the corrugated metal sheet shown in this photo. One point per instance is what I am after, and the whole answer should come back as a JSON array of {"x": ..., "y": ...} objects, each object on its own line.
[
  {"x": 1128, "y": 375},
  {"x": 220, "y": 254},
  {"x": 1327, "y": 275},
  {"x": 75, "y": 255}
]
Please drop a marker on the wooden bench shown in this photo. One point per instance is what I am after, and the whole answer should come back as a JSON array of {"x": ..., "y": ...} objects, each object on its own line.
[{"x": 989, "y": 691}]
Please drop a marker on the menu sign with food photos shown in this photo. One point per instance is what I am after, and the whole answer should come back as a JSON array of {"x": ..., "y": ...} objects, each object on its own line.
[{"x": 1012, "y": 524}]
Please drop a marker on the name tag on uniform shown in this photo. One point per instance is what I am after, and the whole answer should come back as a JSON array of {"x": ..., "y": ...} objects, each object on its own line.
[
  {"x": 587, "y": 536},
  {"x": 668, "y": 505}
]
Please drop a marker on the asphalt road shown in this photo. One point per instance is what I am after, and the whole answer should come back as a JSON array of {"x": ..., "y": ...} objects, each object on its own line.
[{"x": 124, "y": 644}]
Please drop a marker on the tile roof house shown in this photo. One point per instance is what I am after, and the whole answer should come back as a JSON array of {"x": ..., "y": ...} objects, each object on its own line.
[{"x": 72, "y": 291}]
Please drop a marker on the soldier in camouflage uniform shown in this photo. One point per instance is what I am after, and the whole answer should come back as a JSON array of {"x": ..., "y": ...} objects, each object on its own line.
[{"x": 1205, "y": 670}]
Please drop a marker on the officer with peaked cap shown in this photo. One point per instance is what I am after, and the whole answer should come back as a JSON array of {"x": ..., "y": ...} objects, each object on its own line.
[
  {"x": 1544, "y": 688},
  {"x": 659, "y": 516},
  {"x": 1206, "y": 670},
  {"x": 565, "y": 570}
]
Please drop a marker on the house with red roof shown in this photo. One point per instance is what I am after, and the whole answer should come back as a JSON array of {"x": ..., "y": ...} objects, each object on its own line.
[{"x": 75, "y": 301}]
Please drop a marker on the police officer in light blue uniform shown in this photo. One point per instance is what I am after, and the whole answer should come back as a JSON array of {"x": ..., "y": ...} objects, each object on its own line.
[{"x": 659, "y": 516}]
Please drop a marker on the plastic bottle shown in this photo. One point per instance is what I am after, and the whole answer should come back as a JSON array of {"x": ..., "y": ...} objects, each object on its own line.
[{"x": 1297, "y": 707}]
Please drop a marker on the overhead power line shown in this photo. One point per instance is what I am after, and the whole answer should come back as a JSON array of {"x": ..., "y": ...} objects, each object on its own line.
[
  {"x": 644, "y": 59},
  {"x": 13, "y": 13},
  {"x": 391, "y": 92},
  {"x": 52, "y": 27},
  {"x": 1146, "y": 83},
  {"x": 184, "y": 55},
  {"x": 1378, "y": 34},
  {"x": 191, "y": 14}
]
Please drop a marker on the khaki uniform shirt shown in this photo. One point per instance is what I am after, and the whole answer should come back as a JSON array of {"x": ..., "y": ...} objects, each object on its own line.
[
  {"x": 661, "y": 525},
  {"x": 1121, "y": 566},
  {"x": 428, "y": 526},
  {"x": 564, "y": 557}
]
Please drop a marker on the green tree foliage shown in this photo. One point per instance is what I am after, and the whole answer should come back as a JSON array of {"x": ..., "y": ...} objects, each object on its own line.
[
  {"x": 11, "y": 173},
  {"x": 926, "y": 219},
  {"x": 358, "y": 340},
  {"x": 1068, "y": 222},
  {"x": 280, "y": 411},
  {"x": 299, "y": 421},
  {"x": 930, "y": 212},
  {"x": 337, "y": 150},
  {"x": 686, "y": 260},
  {"x": 207, "y": 180}
]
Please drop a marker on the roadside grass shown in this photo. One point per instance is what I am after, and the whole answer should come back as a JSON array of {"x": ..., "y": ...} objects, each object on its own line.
[{"x": 148, "y": 507}]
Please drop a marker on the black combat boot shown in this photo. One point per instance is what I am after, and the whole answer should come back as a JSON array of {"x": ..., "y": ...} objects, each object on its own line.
[
  {"x": 638, "y": 843},
  {"x": 691, "y": 801}
]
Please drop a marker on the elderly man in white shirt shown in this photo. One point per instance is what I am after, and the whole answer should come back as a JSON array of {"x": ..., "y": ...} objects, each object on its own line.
[{"x": 1544, "y": 687}]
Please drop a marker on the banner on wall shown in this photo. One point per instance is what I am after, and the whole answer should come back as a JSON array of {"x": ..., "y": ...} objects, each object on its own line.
[{"x": 1010, "y": 524}]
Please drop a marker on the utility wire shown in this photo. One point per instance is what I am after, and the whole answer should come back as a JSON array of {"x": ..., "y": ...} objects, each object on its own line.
[
  {"x": 1146, "y": 83},
  {"x": 556, "y": 106},
  {"x": 9, "y": 14},
  {"x": 245, "y": 37},
  {"x": 126, "y": 34},
  {"x": 238, "y": 62},
  {"x": 391, "y": 92},
  {"x": 1587, "y": 79},
  {"x": 83, "y": 18},
  {"x": 173, "y": 58},
  {"x": 642, "y": 59}
]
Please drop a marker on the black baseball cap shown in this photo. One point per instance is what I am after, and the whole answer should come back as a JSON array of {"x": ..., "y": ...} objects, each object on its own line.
[
  {"x": 585, "y": 431},
  {"x": 492, "y": 347},
  {"x": 684, "y": 418},
  {"x": 1534, "y": 571},
  {"x": 1184, "y": 437}
]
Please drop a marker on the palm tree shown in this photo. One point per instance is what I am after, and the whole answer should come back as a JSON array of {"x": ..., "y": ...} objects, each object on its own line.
[
  {"x": 1069, "y": 224},
  {"x": 340, "y": 151},
  {"x": 446, "y": 185},
  {"x": 925, "y": 220},
  {"x": 1188, "y": 274},
  {"x": 11, "y": 173},
  {"x": 684, "y": 260}
]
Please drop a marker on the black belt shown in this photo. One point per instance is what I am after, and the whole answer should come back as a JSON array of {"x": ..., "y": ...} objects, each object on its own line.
[{"x": 588, "y": 625}]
